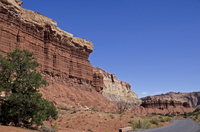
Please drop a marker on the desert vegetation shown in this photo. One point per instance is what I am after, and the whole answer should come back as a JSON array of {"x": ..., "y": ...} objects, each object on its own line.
[
  {"x": 93, "y": 120},
  {"x": 103, "y": 120},
  {"x": 147, "y": 122},
  {"x": 195, "y": 115}
]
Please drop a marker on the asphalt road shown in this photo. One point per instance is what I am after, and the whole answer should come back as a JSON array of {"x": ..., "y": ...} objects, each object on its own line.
[{"x": 178, "y": 126}]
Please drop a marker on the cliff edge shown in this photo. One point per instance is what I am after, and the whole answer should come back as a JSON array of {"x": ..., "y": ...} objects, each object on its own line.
[{"x": 63, "y": 58}]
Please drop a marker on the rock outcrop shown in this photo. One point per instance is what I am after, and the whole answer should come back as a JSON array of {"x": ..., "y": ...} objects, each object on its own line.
[
  {"x": 59, "y": 54},
  {"x": 192, "y": 98},
  {"x": 163, "y": 107},
  {"x": 98, "y": 81},
  {"x": 13, "y": 5},
  {"x": 116, "y": 90},
  {"x": 163, "y": 104},
  {"x": 63, "y": 58}
]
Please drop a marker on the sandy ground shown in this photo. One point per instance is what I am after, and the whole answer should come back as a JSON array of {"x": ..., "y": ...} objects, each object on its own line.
[
  {"x": 17, "y": 129},
  {"x": 93, "y": 121},
  {"x": 14, "y": 129}
]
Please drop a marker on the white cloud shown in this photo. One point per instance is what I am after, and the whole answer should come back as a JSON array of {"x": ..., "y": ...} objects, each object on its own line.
[
  {"x": 144, "y": 92},
  {"x": 158, "y": 92}
]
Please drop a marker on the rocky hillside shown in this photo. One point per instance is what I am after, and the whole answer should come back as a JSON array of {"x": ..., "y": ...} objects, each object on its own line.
[
  {"x": 163, "y": 104},
  {"x": 116, "y": 90},
  {"x": 192, "y": 98},
  {"x": 63, "y": 58},
  {"x": 162, "y": 107}
]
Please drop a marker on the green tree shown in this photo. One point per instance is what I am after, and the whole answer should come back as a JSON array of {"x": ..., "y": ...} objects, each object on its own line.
[{"x": 23, "y": 104}]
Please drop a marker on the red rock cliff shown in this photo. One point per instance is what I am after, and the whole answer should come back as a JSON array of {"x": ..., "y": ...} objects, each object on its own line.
[
  {"x": 192, "y": 98},
  {"x": 63, "y": 58},
  {"x": 58, "y": 53},
  {"x": 163, "y": 104},
  {"x": 163, "y": 107}
]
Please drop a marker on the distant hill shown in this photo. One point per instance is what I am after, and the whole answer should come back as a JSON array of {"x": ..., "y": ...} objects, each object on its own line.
[{"x": 192, "y": 98}]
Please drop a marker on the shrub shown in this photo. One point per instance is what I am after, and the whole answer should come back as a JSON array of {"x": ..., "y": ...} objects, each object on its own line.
[
  {"x": 168, "y": 119},
  {"x": 121, "y": 106},
  {"x": 74, "y": 111},
  {"x": 94, "y": 109},
  {"x": 159, "y": 125},
  {"x": 64, "y": 108},
  {"x": 195, "y": 118},
  {"x": 55, "y": 126},
  {"x": 142, "y": 117},
  {"x": 153, "y": 127},
  {"x": 190, "y": 114},
  {"x": 145, "y": 124},
  {"x": 140, "y": 124},
  {"x": 169, "y": 115},
  {"x": 160, "y": 114},
  {"x": 162, "y": 120},
  {"x": 112, "y": 116},
  {"x": 154, "y": 121},
  {"x": 90, "y": 130},
  {"x": 153, "y": 113},
  {"x": 134, "y": 127},
  {"x": 172, "y": 115},
  {"x": 197, "y": 109},
  {"x": 114, "y": 112}
]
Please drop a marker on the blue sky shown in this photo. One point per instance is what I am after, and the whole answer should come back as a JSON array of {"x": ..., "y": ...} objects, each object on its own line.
[{"x": 152, "y": 44}]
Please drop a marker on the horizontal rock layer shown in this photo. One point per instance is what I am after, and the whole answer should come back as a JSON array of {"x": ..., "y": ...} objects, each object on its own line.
[
  {"x": 163, "y": 104},
  {"x": 63, "y": 59},
  {"x": 13, "y": 5},
  {"x": 57, "y": 57},
  {"x": 192, "y": 98},
  {"x": 35, "y": 19},
  {"x": 163, "y": 107}
]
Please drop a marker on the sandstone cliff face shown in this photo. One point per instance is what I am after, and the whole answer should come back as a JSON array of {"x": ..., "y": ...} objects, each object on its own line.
[
  {"x": 13, "y": 5},
  {"x": 192, "y": 98},
  {"x": 163, "y": 104},
  {"x": 116, "y": 90},
  {"x": 63, "y": 59},
  {"x": 59, "y": 56},
  {"x": 163, "y": 107}
]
